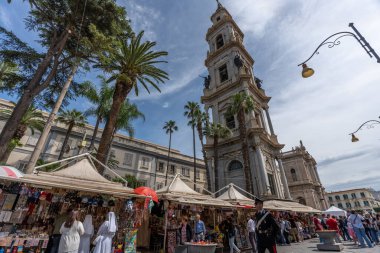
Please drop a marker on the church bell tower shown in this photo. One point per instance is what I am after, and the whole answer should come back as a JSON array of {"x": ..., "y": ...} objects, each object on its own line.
[{"x": 230, "y": 71}]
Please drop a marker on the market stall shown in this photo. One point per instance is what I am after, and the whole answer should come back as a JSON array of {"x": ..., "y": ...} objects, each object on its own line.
[
  {"x": 335, "y": 211},
  {"x": 180, "y": 200},
  {"x": 30, "y": 204}
]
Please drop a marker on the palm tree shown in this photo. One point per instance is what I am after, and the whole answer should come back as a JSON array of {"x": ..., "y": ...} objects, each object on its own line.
[
  {"x": 170, "y": 126},
  {"x": 102, "y": 99},
  {"x": 32, "y": 119},
  {"x": 202, "y": 120},
  {"x": 217, "y": 131},
  {"x": 132, "y": 64},
  {"x": 242, "y": 103},
  {"x": 71, "y": 118},
  {"x": 128, "y": 113},
  {"x": 191, "y": 109}
]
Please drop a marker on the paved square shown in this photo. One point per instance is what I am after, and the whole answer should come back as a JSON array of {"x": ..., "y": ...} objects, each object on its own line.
[{"x": 311, "y": 246}]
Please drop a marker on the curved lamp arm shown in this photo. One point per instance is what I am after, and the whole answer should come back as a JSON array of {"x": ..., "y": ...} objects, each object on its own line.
[{"x": 374, "y": 122}]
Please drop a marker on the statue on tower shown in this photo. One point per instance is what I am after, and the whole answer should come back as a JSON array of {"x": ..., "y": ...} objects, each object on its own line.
[{"x": 207, "y": 80}]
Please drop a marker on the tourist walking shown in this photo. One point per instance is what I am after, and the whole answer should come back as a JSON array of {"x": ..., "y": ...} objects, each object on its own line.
[
  {"x": 85, "y": 239},
  {"x": 71, "y": 230},
  {"x": 373, "y": 228},
  {"x": 357, "y": 224},
  {"x": 185, "y": 232},
  {"x": 200, "y": 229},
  {"x": 300, "y": 230},
  {"x": 332, "y": 224},
  {"x": 251, "y": 225},
  {"x": 105, "y": 234},
  {"x": 231, "y": 232},
  {"x": 294, "y": 230},
  {"x": 343, "y": 228},
  {"x": 266, "y": 229},
  {"x": 284, "y": 230}
]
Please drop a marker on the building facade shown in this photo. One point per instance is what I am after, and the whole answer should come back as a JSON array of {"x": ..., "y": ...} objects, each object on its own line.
[
  {"x": 230, "y": 72},
  {"x": 144, "y": 160},
  {"x": 301, "y": 172},
  {"x": 354, "y": 199}
]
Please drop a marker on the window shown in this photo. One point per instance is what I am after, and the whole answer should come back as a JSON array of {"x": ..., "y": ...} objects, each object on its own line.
[
  {"x": 198, "y": 174},
  {"x": 186, "y": 172},
  {"x": 348, "y": 205},
  {"x": 271, "y": 184},
  {"x": 159, "y": 186},
  {"x": 337, "y": 197},
  {"x": 68, "y": 145},
  {"x": 22, "y": 166},
  {"x": 301, "y": 201},
  {"x": 128, "y": 159},
  {"x": 142, "y": 183},
  {"x": 362, "y": 195},
  {"x": 366, "y": 203},
  {"x": 223, "y": 74},
  {"x": 340, "y": 205},
  {"x": 32, "y": 140},
  {"x": 294, "y": 175},
  {"x": 230, "y": 121},
  {"x": 330, "y": 199},
  {"x": 353, "y": 195},
  {"x": 172, "y": 169},
  {"x": 145, "y": 162},
  {"x": 345, "y": 196},
  {"x": 235, "y": 165},
  {"x": 219, "y": 41},
  {"x": 112, "y": 154},
  {"x": 160, "y": 167},
  {"x": 218, "y": 18},
  {"x": 357, "y": 204}
]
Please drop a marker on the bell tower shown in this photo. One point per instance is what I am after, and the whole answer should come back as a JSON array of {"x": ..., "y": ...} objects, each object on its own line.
[{"x": 230, "y": 71}]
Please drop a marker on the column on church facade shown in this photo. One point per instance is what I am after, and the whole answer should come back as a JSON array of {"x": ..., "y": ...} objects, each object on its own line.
[
  {"x": 264, "y": 182},
  {"x": 284, "y": 180},
  {"x": 269, "y": 121}
]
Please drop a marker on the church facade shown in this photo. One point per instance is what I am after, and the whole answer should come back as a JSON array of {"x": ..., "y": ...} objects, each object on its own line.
[
  {"x": 230, "y": 70},
  {"x": 303, "y": 179}
]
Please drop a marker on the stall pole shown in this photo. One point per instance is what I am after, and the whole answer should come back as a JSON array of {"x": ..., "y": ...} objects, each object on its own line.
[{"x": 166, "y": 229}]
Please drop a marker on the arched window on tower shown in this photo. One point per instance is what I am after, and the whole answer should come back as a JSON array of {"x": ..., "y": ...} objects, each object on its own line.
[
  {"x": 235, "y": 165},
  {"x": 294, "y": 175},
  {"x": 301, "y": 201},
  {"x": 219, "y": 41}
]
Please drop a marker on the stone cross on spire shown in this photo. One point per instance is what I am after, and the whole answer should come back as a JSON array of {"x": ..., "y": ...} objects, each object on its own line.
[{"x": 219, "y": 4}]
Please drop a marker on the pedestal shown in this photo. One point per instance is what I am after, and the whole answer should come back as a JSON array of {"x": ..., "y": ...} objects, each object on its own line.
[{"x": 328, "y": 238}]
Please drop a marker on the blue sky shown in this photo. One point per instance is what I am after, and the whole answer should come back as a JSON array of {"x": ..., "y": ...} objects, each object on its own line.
[{"x": 279, "y": 34}]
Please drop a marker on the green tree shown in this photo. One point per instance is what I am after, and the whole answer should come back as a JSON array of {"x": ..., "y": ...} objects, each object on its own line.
[
  {"x": 169, "y": 127},
  {"x": 101, "y": 99},
  {"x": 202, "y": 122},
  {"x": 242, "y": 104},
  {"x": 69, "y": 31},
  {"x": 131, "y": 64},
  {"x": 8, "y": 70},
  {"x": 33, "y": 119},
  {"x": 217, "y": 132},
  {"x": 191, "y": 110},
  {"x": 133, "y": 182},
  {"x": 71, "y": 118}
]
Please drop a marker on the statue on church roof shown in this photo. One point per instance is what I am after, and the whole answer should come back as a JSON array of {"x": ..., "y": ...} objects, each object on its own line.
[
  {"x": 207, "y": 80},
  {"x": 219, "y": 4}
]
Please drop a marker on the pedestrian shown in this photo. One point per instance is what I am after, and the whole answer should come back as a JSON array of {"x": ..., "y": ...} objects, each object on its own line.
[
  {"x": 266, "y": 229},
  {"x": 294, "y": 230},
  {"x": 332, "y": 224},
  {"x": 357, "y": 224},
  {"x": 373, "y": 228},
  {"x": 300, "y": 230},
  {"x": 351, "y": 232},
  {"x": 323, "y": 221},
  {"x": 318, "y": 225},
  {"x": 85, "y": 239},
  {"x": 342, "y": 222},
  {"x": 251, "y": 225},
  {"x": 284, "y": 231},
  {"x": 71, "y": 230},
  {"x": 55, "y": 237},
  {"x": 106, "y": 232},
  {"x": 367, "y": 227},
  {"x": 185, "y": 232},
  {"x": 200, "y": 229},
  {"x": 231, "y": 232}
]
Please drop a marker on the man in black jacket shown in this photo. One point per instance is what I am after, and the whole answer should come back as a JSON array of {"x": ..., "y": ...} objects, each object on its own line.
[{"x": 266, "y": 228}]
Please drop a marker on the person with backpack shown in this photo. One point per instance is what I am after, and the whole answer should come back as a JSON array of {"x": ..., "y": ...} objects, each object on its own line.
[
  {"x": 231, "y": 232},
  {"x": 357, "y": 224}
]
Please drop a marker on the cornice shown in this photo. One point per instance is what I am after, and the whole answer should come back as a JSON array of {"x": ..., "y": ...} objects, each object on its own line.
[
  {"x": 230, "y": 44},
  {"x": 227, "y": 19}
]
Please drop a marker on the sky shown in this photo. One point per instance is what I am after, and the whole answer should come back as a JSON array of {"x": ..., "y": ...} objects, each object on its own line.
[{"x": 279, "y": 34}]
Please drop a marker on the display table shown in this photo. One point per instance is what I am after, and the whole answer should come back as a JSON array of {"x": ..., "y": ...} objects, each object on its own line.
[{"x": 201, "y": 248}]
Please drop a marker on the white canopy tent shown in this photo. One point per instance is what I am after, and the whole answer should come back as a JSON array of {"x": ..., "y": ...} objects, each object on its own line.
[
  {"x": 335, "y": 211},
  {"x": 234, "y": 196}
]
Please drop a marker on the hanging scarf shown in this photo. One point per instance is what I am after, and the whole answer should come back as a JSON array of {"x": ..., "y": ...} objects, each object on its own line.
[
  {"x": 87, "y": 224},
  {"x": 112, "y": 222}
]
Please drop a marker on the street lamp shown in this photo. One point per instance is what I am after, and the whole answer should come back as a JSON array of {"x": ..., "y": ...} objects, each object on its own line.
[
  {"x": 370, "y": 124},
  {"x": 335, "y": 41}
]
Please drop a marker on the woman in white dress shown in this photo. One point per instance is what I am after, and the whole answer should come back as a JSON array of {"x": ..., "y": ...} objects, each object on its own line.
[
  {"x": 105, "y": 234},
  {"x": 85, "y": 239},
  {"x": 71, "y": 230}
]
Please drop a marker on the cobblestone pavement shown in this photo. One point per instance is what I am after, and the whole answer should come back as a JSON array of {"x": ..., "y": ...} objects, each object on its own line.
[{"x": 311, "y": 246}]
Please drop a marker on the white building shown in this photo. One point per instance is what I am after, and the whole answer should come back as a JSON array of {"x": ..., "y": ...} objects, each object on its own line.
[{"x": 353, "y": 199}]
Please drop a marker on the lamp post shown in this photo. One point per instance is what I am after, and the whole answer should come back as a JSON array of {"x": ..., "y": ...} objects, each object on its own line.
[
  {"x": 334, "y": 40},
  {"x": 370, "y": 124}
]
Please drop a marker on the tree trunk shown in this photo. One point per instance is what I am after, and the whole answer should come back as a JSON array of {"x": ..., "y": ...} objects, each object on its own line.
[
  {"x": 195, "y": 160},
  {"x": 120, "y": 94},
  {"x": 63, "y": 148},
  {"x": 20, "y": 132},
  {"x": 167, "y": 164},
  {"x": 245, "y": 151},
  {"x": 110, "y": 148},
  {"x": 216, "y": 158},
  {"x": 200, "y": 134},
  {"x": 33, "y": 88},
  {"x": 50, "y": 121},
  {"x": 6, "y": 155},
  {"x": 92, "y": 144}
]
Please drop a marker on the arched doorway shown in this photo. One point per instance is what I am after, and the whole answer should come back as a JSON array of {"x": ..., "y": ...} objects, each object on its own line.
[
  {"x": 301, "y": 201},
  {"x": 235, "y": 174}
]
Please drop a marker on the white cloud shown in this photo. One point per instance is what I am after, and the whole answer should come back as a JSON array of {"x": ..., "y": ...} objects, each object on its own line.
[
  {"x": 5, "y": 19},
  {"x": 165, "y": 105}
]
